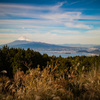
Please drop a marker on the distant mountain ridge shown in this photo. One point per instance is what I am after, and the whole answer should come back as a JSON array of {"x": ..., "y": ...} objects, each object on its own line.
[
  {"x": 30, "y": 43},
  {"x": 17, "y": 42},
  {"x": 79, "y": 45},
  {"x": 40, "y": 46},
  {"x": 34, "y": 45}
]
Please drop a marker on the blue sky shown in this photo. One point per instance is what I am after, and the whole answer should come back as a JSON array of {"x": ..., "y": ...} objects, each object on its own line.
[{"x": 50, "y": 21}]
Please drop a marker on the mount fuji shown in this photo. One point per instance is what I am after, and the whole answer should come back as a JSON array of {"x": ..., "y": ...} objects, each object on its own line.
[{"x": 25, "y": 43}]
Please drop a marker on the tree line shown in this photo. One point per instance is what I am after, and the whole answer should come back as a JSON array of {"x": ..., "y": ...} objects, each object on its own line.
[{"x": 12, "y": 59}]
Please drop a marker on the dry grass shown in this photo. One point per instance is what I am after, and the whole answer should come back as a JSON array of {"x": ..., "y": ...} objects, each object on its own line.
[{"x": 42, "y": 85}]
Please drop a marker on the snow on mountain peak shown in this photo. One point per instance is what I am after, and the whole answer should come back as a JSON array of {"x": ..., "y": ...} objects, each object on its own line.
[{"x": 24, "y": 38}]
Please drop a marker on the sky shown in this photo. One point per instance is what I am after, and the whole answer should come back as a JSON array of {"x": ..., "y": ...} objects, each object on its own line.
[{"x": 50, "y": 21}]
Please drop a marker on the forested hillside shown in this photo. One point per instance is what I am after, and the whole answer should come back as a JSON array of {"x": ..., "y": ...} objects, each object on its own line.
[
  {"x": 12, "y": 59},
  {"x": 26, "y": 74}
]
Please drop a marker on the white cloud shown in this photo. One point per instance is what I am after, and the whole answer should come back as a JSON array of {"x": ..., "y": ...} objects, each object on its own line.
[
  {"x": 6, "y": 38},
  {"x": 12, "y": 35},
  {"x": 53, "y": 15},
  {"x": 74, "y": 2},
  {"x": 4, "y": 6},
  {"x": 90, "y": 17},
  {"x": 94, "y": 32},
  {"x": 67, "y": 16},
  {"x": 8, "y": 30},
  {"x": 53, "y": 12},
  {"x": 83, "y": 26},
  {"x": 29, "y": 23},
  {"x": 53, "y": 38},
  {"x": 53, "y": 26},
  {"x": 66, "y": 31}
]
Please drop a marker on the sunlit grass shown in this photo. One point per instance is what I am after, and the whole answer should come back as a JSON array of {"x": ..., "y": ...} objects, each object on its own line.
[{"x": 49, "y": 84}]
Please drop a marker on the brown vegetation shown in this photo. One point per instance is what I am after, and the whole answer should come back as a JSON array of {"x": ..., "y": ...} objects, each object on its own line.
[{"x": 44, "y": 85}]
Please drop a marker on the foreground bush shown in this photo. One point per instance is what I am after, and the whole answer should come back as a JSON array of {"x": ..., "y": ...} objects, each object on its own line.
[{"x": 48, "y": 84}]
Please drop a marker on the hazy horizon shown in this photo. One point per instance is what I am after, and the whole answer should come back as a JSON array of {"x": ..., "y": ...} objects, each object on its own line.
[
  {"x": 50, "y": 21},
  {"x": 22, "y": 38}
]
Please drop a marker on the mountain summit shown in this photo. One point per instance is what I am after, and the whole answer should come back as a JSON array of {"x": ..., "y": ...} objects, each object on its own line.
[
  {"x": 23, "y": 42},
  {"x": 24, "y": 38}
]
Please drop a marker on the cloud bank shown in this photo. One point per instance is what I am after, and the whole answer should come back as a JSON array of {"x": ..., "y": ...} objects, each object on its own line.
[{"x": 48, "y": 23}]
